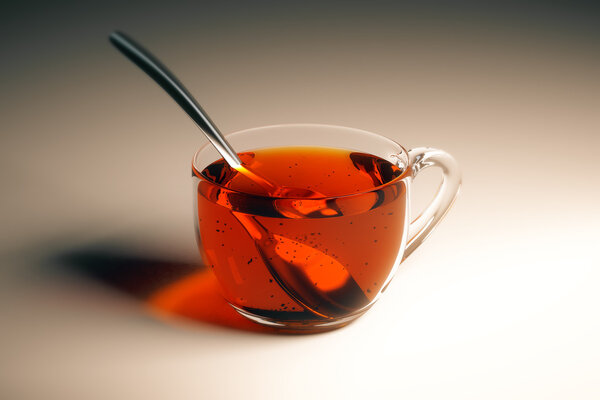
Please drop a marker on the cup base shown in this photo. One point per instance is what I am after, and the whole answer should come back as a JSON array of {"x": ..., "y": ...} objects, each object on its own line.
[{"x": 300, "y": 327}]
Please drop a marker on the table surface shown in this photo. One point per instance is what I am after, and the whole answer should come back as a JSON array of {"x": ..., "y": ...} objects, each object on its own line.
[{"x": 500, "y": 302}]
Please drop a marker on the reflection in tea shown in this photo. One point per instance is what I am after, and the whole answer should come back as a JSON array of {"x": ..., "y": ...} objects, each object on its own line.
[{"x": 302, "y": 259}]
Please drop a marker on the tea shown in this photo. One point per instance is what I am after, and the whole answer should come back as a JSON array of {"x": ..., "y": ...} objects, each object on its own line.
[{"x": 324, "y": 256}]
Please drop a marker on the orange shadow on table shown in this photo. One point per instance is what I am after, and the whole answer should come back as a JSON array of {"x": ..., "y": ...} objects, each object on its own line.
[{"x": 197, "y": 297}]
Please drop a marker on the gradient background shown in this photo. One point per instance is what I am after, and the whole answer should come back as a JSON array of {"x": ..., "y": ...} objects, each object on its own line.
[{"x": 501, "y": 302}]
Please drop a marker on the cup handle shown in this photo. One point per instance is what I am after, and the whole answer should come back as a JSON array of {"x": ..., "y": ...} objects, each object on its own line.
[{"x": 419, "y": 159}]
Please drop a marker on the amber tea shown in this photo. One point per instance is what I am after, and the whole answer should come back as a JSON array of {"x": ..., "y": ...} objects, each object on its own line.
[{"x": 294, "y": 259}]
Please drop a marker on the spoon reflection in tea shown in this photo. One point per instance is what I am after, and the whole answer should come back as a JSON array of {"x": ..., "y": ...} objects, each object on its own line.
[{"x": 293, "y": 278}]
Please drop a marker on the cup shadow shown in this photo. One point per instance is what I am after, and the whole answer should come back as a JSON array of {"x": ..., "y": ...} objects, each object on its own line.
[{"x": 167, "y": 287}]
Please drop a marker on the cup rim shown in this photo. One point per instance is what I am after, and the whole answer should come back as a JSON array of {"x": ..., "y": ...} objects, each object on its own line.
[{"x": 197, "y": 173}]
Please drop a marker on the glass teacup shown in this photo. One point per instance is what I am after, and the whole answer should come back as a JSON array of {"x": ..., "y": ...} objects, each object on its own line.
[{"x": 318, "y": 261}]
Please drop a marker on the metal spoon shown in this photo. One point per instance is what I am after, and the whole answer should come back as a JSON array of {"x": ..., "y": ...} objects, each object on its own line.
[{"x": 293, "y": 278}]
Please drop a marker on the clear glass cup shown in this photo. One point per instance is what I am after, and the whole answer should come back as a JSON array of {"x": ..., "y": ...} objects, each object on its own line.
[{"x": 361, "y": 246}]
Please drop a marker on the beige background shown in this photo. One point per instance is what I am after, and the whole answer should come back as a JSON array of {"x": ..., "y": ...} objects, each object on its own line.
[{"x": 501, "y": 302}]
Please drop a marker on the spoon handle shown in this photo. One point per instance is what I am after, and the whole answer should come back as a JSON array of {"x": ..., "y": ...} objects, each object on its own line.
[{"x": 161, "y": 75}]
